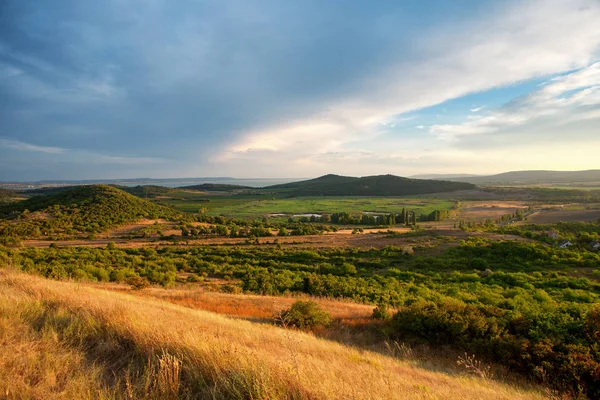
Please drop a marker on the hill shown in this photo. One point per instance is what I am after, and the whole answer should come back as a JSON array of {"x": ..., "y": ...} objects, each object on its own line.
[
  {"x": 379, "y": 185},
  {"x": 216, "y": 187},
  {"x": 75, "y": 211},
  {"x": 443, "y": 176},
  {"x": 69, "y": 340},
  {"x": 535, "y": 178},
  {"x": 7, "y": 195},
  {"x": 147, "y": 191}
]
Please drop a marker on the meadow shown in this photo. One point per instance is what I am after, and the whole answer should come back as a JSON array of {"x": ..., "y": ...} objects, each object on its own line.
[{"x": 259, "y": 206}]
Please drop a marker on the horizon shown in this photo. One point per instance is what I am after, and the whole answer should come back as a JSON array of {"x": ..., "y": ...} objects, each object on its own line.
[
  {"x": 223, "y": 179},
  {"x": 280, "y": 90}
]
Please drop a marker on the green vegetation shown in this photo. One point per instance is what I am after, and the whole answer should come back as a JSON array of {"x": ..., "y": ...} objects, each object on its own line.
[
  {"x": 525, "y": 304},
  {"x": 147, "y": 191},
  {"x": 252, "y": 207},
  {"x": 381, "y": 185},
  {"x": 304, "y": 315},
  {"x": 78, "y": 211}
]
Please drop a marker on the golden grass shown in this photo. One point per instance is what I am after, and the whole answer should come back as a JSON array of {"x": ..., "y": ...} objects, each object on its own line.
[
  {"x": 245, "y": 305},
  {"x": 64, "y": 340}
]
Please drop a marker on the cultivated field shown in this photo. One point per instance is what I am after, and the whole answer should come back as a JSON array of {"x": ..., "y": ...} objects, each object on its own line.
[
  {"x": 262, "y": 206},
  {"x": 557, "y": 215}
]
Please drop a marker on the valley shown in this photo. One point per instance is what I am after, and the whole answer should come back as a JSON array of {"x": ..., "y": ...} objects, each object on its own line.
[{"x": 418, "y": 279}]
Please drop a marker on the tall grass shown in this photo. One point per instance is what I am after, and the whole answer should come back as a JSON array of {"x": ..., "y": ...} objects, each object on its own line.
[{"x": 62, "y": 340}]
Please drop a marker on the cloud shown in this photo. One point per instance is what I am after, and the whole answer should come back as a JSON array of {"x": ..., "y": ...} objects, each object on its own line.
[
  {"x": 21, "y": 146},
  {"x": 217, "y": 87},
  {"x": 560, "y": 101},
  {"x": 512, "y": 44}
]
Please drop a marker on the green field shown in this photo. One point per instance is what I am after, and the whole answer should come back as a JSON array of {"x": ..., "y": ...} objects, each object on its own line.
[{"x": 261, "y": 206}]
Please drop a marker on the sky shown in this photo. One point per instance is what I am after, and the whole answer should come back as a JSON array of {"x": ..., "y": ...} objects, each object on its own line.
[{"x": 294, "y": 89}]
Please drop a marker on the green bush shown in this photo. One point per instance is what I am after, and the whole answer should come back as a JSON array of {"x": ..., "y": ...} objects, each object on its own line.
[
  {"x": 381, "y": 312},
  {"x": 305, "y": 315}
]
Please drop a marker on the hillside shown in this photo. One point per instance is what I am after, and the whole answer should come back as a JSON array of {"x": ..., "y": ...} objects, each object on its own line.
[
  {"x": 216, "y": 187},
  {"x": 75, "y": 211},
  {"x": 7, "y": 195},
  {"x": 147, "y": 191},
  {"x": 379, "y": 185},
  {"x": 68, "y": 341},
  {"x": 535, "y": 178}
]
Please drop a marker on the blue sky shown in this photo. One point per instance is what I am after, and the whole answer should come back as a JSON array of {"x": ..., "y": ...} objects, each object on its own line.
[{"x": 156, "y": 88}]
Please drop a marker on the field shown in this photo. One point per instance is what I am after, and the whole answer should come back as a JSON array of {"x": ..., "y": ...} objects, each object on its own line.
[
  {"x": 249, "y": 207},
  {"x": 557, "y": 215}
]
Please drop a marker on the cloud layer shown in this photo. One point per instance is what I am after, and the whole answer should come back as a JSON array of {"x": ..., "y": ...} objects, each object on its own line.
[{"x": 272, "y": 89}]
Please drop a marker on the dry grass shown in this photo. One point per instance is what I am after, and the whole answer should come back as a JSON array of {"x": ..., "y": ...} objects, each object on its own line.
[
  {"x": 245, "y": 305},
  {"x": 64, "y": 340}
]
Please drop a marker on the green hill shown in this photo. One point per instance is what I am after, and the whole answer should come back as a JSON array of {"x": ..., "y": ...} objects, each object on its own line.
[
  {"x": 77, "y": 211},
  {"x": 216, "y": 187},
  {"x": 379, "y": 185}
]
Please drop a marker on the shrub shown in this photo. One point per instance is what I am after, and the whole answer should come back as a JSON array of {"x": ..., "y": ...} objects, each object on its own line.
[
  {"x": 381, "y": 312},
  {"x": 138, "y": 283},
  {"x": 304, "y": 315}
]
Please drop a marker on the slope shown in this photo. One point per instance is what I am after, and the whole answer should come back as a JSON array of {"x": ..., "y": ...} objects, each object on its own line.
[
  {"x": 535, "y": 177},
  {"x": 73, "y": 341},
  {"x": 76, "y": 211},
  {"x": 379, "y": 185}
]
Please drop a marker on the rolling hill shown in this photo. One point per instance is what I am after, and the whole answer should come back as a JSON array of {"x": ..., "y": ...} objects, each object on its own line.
[
  {"x": 379, "y": 185},
  {"x": 75, "y": 211},
  {"x": 216, "y": 187},
  {"x": 72, "y": 341},
  {"x": 535, "y": 178}
]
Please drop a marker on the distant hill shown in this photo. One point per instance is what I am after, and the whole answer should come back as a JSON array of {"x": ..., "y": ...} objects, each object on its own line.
[
  {"x": 379, "y": 185},
  {"x": 442, "y": 176},
  {"x": 216, "y": 187},
  {"x": 7, "y": 195},
  {"x": 535, "y": 178},
  {"x": 76, "y": 211}
]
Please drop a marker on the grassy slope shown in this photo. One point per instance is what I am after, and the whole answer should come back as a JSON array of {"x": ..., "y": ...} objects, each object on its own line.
[{"x": 72, "y": 341}]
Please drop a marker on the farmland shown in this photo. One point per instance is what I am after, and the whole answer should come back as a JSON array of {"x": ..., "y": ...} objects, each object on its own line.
[{"x": 251, "y": 208}]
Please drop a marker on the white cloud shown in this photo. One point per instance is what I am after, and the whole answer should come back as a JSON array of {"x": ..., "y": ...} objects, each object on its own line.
[
  {"x": 517, "y": 43},
  {"x": 563, "y": 100},
  {"x": 22, "y": 146}
]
